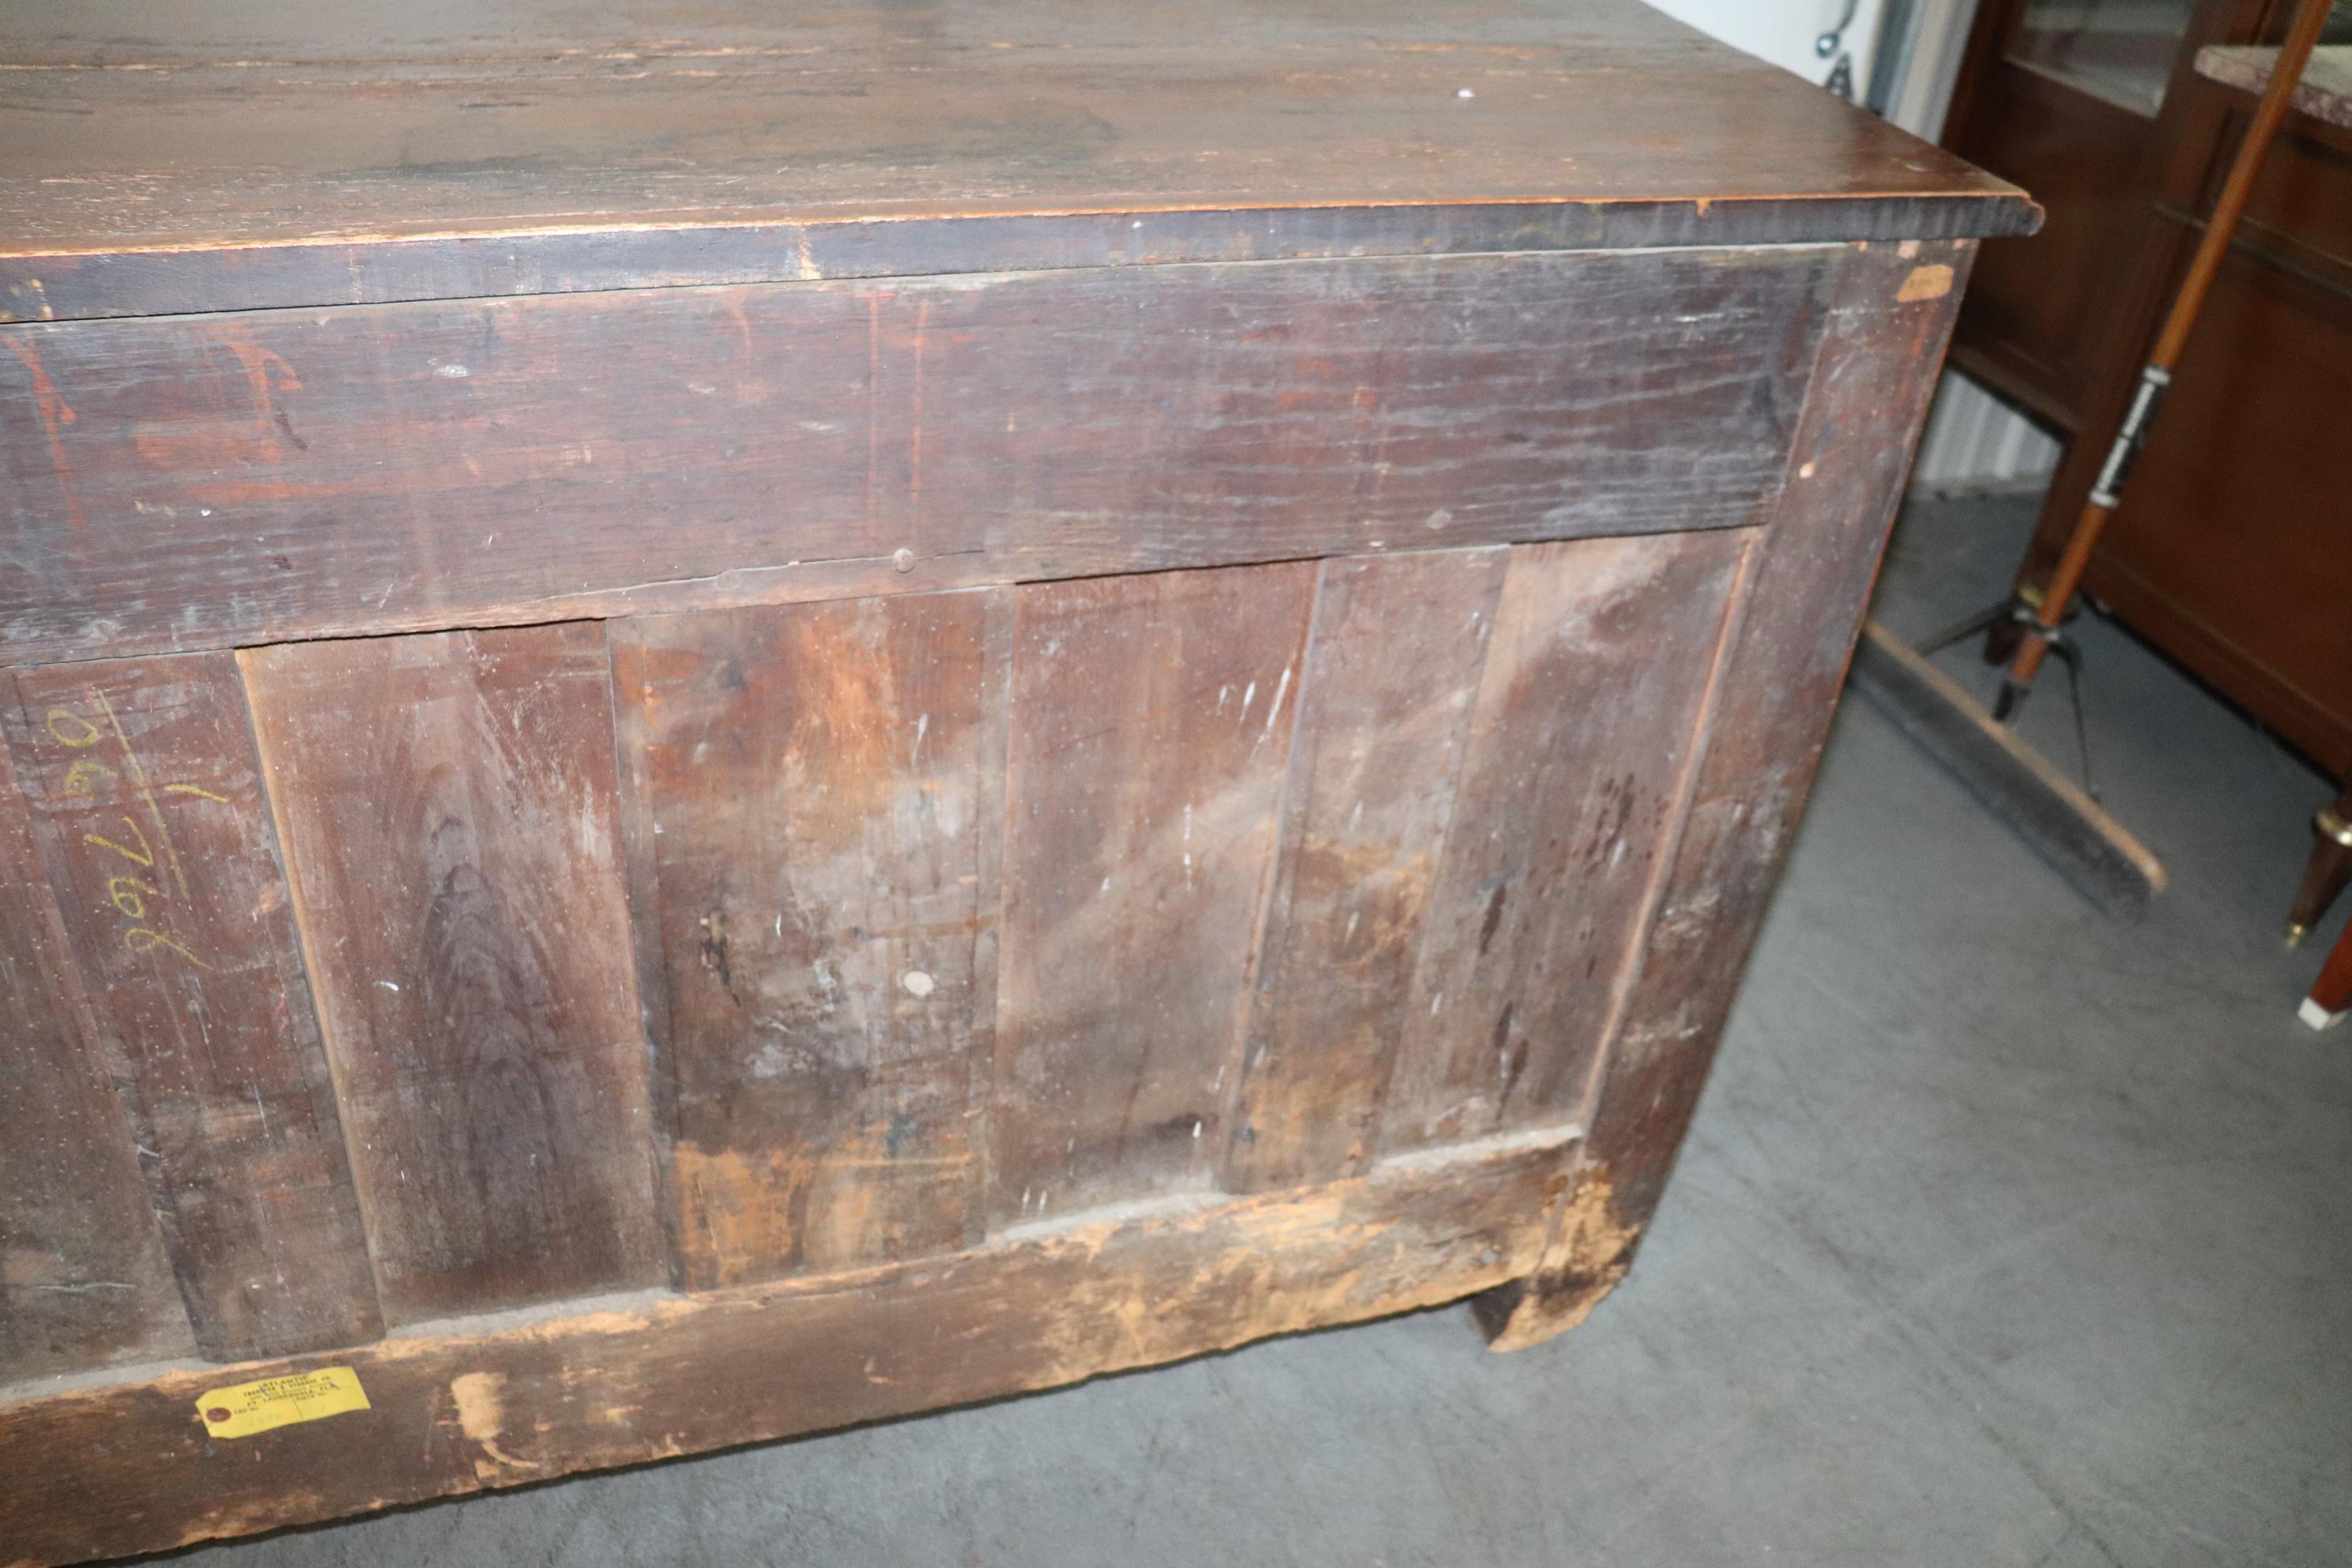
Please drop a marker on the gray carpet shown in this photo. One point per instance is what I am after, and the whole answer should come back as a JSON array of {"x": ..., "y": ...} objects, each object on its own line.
[{"x": 2006, "y": 1235}]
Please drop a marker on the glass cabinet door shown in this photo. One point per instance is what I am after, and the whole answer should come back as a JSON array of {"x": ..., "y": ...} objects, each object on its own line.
[{"x": 2122, "y": 50}]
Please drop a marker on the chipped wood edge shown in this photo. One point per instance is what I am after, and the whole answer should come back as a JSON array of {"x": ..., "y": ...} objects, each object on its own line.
[
  {"x": 63, "y": 283},
  {"x": 463, "y": 1406}
]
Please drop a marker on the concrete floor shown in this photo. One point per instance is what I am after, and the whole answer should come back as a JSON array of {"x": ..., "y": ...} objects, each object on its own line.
[{"x": 2006, "y": 1235}]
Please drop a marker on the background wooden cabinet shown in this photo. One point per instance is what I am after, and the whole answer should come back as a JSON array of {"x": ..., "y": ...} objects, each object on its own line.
[{"x": 2232, "y": 550}]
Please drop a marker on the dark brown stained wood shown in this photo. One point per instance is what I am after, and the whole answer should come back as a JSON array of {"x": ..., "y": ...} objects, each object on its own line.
[
  {"x": 1152, "y": 724},
  {"x": 447, "y": 804},
  {"x": 819, "y": 813},
  {"x": 82, "y": 1276},
  {"x": 53, "y": 287},
  {"x": 107, "y": 1471},
  {"x": 1578, "y": 763},
  {"x": 1386, "y": 695},
  {"x": 231, "y": 480},
  {"x": 1776, "y": 692},
  {"x": 880, "y": 705},
  {"x": 151, "y": 815},
  {"x": 332, "y": 154}
]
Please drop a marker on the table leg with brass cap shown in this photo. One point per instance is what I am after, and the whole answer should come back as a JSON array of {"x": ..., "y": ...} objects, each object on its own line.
[
  {"x": 2327, "y": 873},
  {"x": 2331, "y": 993}
]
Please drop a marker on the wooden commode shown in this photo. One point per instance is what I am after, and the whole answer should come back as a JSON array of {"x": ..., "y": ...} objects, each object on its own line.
[{"x": 716, "y": 725}]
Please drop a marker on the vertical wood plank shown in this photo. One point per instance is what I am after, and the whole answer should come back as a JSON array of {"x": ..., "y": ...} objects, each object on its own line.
[
  {"x": 818, "y": 810},
  {"x": 447, "y": 806},
  {"x": 1151, "y": 727},
  {"x": 82, "y": 1276},
  {"x": 1775, "y": 693},
  {"x": 1384, "y": 702},
  {"x": 1576, "y": 761},
  {"x": 150, "y": 811}
]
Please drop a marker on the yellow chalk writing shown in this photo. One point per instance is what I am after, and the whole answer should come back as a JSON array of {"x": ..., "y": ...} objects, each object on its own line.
[
  {"x": 83, "y": 778},
  {"x": 143, "y": 856},
  {"x": 145, "y": 939},
  {"x": 139, "y": 776},
  {"x": 130, "y": 895},
  {"x": 137, "y": 899},
  {"x": 88, "y": 734}
]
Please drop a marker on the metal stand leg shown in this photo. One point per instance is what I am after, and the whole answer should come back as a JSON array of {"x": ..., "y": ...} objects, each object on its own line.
[
  {"x": 2016, "y": 613},
  {"x": 2072, "y": 658},
  {"x": 1983, "y": 620}
]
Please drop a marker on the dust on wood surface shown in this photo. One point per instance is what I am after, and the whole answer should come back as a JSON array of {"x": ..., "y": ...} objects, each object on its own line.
[{"x": 335, "y": 152}]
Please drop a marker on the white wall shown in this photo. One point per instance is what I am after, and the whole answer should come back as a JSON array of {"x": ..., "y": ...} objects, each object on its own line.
[
  {"x": 1976, "y": 442},
  {"x": 1783, "y": 31},
  {"x": 1973, "y": 440}
]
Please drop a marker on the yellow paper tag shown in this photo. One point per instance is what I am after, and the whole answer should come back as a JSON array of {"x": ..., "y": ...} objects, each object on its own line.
[{"x": 245, "y": 1408}]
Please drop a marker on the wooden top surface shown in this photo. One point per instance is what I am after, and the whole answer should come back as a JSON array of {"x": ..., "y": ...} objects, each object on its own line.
[
  {"x": 133, "y": 129},
  {"x": 2323, "y": 93}
]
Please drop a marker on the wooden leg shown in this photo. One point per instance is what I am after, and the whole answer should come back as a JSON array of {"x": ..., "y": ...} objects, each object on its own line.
[
  {"x": 1591, "y": 1249},
  {"x": 2327, "y": 871},
  {"x": 1768, "y": 718},
  {"x": 2331, "y": 993}
]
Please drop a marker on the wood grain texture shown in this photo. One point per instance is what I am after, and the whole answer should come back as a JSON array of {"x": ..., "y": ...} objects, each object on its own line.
[
  {"x": 447, "y": 803},
  {"x": 1151, "y": 725},
  {"x": 1577, "y": 766},
  {"x": 150, "y": 813},
  {"x": 1047, "y": 468},
  {"x": 1391, "y": 675},
  {"x": 82, "y": 1276},
  {"x": 2229, "y": 554},
  {"x": 209, "y": 155},
  {"x": 1776, "y": 691},
  {"x": 234, "y": 479},
  {"x": 623, "y": 1380},
  {"x": 821, "y": 813},
  {"x": 79, "y": 285}
]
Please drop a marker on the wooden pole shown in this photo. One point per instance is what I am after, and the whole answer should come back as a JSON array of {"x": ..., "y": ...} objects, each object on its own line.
[{"x": 2158, "y": 375}]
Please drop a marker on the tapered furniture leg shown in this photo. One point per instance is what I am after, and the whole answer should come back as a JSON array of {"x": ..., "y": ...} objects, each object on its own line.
[
  {"x": 2327, "y": 871},
  {"x": 2331, "y": 993}
]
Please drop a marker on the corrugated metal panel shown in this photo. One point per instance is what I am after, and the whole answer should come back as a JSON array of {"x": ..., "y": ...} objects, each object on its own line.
[{"x": 1974, "y": 441}]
